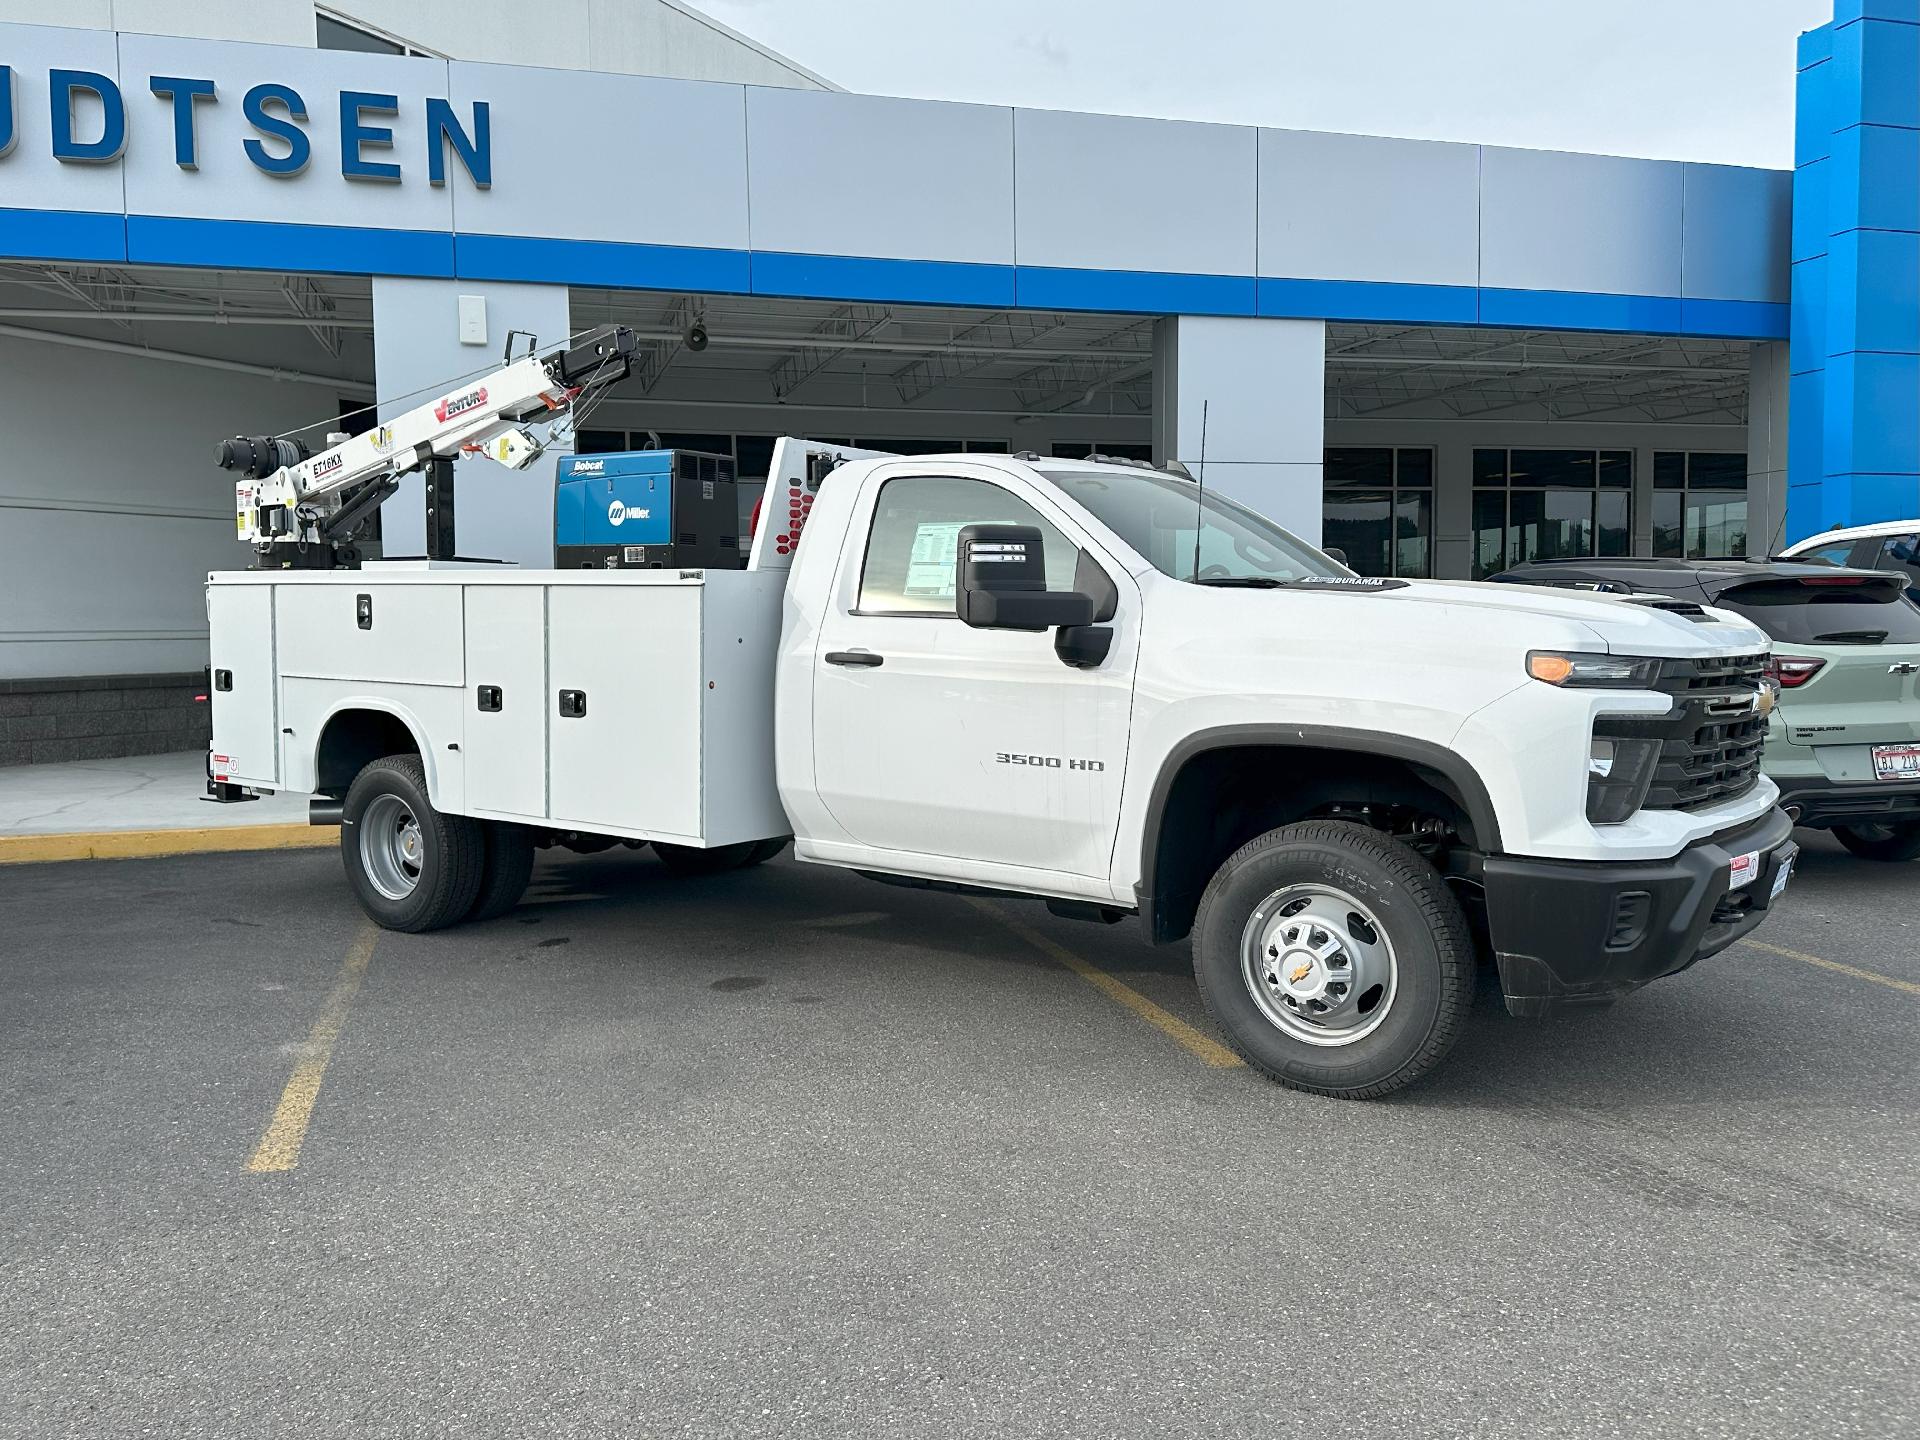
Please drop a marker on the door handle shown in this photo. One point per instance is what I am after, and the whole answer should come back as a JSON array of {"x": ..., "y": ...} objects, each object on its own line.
[{"x": 855, "y": 657}]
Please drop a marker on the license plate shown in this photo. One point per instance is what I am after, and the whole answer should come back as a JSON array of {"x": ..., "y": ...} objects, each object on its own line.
[
  {"x": 1780, "y": 879},
  {"x": 1896, "y": 762},
  {"x": 1746, "y": 869}
]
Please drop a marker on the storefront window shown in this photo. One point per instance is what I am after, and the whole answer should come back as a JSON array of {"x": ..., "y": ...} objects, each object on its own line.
[
  {"x": 1379, "y": 509},
  {"x": 1549, "y": 505},
  {"x": 1699, "y": 504}
]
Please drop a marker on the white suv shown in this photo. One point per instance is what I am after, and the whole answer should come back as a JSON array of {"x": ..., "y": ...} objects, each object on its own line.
[{"x": 1891, "y": 545}]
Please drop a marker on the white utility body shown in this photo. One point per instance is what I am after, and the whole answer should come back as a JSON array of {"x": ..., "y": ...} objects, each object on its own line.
[{"x": 1085, "y": 681}]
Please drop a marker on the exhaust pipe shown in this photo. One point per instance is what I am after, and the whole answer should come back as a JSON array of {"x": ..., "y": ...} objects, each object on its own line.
[{"x": 323, "y": 810}]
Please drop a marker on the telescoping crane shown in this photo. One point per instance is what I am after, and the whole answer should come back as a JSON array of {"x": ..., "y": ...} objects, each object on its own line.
[{"x": 301, "y": 510}]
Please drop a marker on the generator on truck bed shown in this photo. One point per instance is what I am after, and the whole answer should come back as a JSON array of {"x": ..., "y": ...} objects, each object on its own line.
[{"x": 1093, "y": 683}]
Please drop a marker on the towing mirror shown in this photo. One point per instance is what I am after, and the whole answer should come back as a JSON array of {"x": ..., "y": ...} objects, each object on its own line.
[{"x": 1002, "y": 584}]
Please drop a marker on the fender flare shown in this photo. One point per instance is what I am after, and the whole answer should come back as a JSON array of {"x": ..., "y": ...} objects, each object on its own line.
[
  {"x": 1448, "y": 764},
  {"x": 403, "y": 715}
]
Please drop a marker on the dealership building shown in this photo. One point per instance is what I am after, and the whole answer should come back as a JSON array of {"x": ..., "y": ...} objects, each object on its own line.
[{"x": 1442, "y": 358}]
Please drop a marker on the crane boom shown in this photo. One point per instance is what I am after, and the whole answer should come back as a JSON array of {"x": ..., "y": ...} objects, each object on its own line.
[{"x": 298, "y": 509}]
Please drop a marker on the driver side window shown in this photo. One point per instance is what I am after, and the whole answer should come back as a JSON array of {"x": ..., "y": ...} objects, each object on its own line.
[{"x": 913, "y": 543}]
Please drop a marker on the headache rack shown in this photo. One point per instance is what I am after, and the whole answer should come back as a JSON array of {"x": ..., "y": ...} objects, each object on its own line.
[{"x": 1712, "y": 738}]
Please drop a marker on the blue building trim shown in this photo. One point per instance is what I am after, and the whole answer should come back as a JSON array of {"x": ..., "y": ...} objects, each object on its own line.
[
  {"x": 267, "y": 245},
  {"x": 614, "y": 264},
  {"x": 1148, "y": 292},
  {"x": 62, "y": 235},
  {"x": 849, "y": 277},
  {"x": 1364, "y": 300},
  {"x": 358, "y": 250},
  {"x": 1853, "y": 437}
]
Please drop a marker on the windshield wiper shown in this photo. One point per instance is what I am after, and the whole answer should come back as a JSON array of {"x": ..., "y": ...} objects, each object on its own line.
[
  {"x": 1852, "y": 637},
  {"x": 1242, "y": 582}
]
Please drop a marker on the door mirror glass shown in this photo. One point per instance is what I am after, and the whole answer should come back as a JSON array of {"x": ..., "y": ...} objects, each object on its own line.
[{"x": 1002, "y": 582}]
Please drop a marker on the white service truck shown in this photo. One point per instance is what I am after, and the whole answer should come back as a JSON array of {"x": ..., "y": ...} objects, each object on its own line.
[{"x": 1094, "y": 683}]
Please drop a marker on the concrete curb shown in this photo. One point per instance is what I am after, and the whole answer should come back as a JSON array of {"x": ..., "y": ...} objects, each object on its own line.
[{"x": 141, "y": 844}]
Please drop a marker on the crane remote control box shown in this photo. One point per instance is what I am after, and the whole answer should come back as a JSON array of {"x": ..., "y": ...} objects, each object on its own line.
[{"x": 648, "y": 510}]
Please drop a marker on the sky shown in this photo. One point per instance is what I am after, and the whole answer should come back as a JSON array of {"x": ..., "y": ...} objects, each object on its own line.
[{"x": 1667, "y": 79}]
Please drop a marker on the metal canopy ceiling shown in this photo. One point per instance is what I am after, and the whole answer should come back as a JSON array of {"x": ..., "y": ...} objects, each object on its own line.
[
  {"x": 895, "y": 357},
  {"x": 1420, "y": 372},
  {"x": 932, "y": 359}
]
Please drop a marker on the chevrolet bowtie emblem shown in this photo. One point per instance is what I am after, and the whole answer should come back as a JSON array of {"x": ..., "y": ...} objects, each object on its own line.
[
  {"x": 1299, "y": 972},
  {"x": 1903, "y": 667}
]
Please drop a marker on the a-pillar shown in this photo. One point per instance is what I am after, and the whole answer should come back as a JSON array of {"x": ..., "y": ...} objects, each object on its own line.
[
  {"x": 1855, "y": 446},
  {"x": 1259, "y": 387},
  {"x": 418, "y": 355}
]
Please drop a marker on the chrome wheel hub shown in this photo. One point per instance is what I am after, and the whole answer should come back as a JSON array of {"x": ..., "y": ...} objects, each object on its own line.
[
  {"x": 392, "y": 848},
  {"x": 1318, "y": 964}
]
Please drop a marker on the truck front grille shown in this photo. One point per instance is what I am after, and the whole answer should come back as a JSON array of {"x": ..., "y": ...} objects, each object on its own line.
[{"x": 1710, "y": 744}]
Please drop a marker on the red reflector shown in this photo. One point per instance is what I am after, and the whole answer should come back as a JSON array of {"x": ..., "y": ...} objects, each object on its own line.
[
  {"x": 199, "y": 699},
  {"x": 1850, "y": 580}
]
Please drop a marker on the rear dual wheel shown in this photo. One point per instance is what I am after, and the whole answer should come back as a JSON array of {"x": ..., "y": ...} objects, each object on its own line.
[
  {"x": 692, "y": 860},
  {"x": 415, "y": 869}
]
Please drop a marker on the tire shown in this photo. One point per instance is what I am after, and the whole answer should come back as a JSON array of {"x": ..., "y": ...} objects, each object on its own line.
[
  {"x": 765, "y": 850},
  {"x": 691, "y": 860},
  {"x": 1292, "y": 993},
  {"x": 426, "y": 882},
  {"x": 1899, "y": 841},
  {"x": 505, "y": 870}
]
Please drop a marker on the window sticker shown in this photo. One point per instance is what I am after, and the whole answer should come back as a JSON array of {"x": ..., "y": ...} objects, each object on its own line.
[{"x": 935, "y": 556}]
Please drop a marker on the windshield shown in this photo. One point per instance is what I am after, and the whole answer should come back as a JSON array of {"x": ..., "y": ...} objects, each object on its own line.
[{"x": 1156, "y": 514}]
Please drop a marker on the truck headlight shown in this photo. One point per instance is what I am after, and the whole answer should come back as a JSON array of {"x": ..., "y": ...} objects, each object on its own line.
[
  {"x": 1606, "y": 672},
  {"x": 1619, "y": 774}
]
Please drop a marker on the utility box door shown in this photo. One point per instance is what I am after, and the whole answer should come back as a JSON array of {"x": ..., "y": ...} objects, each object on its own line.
[
  {"x": 355, "y": 628},
  {"x": 505, "y": 701},
  {"x": 246, "y": 732},
  {"x": 632, "y": 760}
]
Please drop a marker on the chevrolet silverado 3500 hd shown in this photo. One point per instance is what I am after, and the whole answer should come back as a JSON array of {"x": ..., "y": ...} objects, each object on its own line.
[{"x": 1092, "y": 683}]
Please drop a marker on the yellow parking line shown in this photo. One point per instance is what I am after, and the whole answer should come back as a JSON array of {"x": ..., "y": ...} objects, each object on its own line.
[
  {"x": 139, "y": 844},
  {"x": 1855, "y": 971},
  {"x": 1203, "y": 1047},
  {"x": 279, "y": 1148}
]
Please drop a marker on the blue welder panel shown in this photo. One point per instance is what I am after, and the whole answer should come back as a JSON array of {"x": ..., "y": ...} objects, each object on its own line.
[{"x": 621, "y": 499}]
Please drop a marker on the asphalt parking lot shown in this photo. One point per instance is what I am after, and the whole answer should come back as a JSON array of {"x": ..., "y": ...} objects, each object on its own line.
[{"x": 786, "y": 1152}]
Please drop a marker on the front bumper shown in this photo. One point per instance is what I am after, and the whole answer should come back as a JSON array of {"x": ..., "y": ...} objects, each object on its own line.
[
  {"x": 1819, "y": 802},
  {"x": 1571, "y": 934}
]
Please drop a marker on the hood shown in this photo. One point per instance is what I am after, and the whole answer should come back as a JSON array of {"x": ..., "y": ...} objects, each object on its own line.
[{"x": 1621, "y": 625}]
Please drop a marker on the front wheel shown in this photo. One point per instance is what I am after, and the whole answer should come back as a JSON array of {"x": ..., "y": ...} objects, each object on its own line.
[
  {"x": 412, "y": 868},
  {"x": 1335, "y": 959},
  {"x": 1898, "y": 841}
]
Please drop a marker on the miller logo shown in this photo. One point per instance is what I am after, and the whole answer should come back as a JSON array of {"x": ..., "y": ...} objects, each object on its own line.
[{"x": 453, "y": 405}]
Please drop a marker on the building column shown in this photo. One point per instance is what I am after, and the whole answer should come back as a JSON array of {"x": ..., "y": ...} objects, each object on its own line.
[
  {"x": 1453, "y": 533},
  {"x": 418, "y": 354},
  {"x": 1856, "y": 271},
  {"x": 1767, "y": 388},
  {"x": 1259, "y": 386}
]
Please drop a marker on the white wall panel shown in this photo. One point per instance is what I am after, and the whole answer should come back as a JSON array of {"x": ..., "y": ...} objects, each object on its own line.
[
  {"x": 30, "y": 178},
  {"x": 1597, "y": 223},
  {"x": 662, "y": 162},
  {"x": 499, "y": 514},
  {"x": 1736, "y": 242},
  {"x": 1080, "y": 181},
  {"x": 229, "y": 186},
  {"x": 836, "y": 174},
  {"x": 1356, "y": 207},
  {"x": 105, "y": 545}
]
